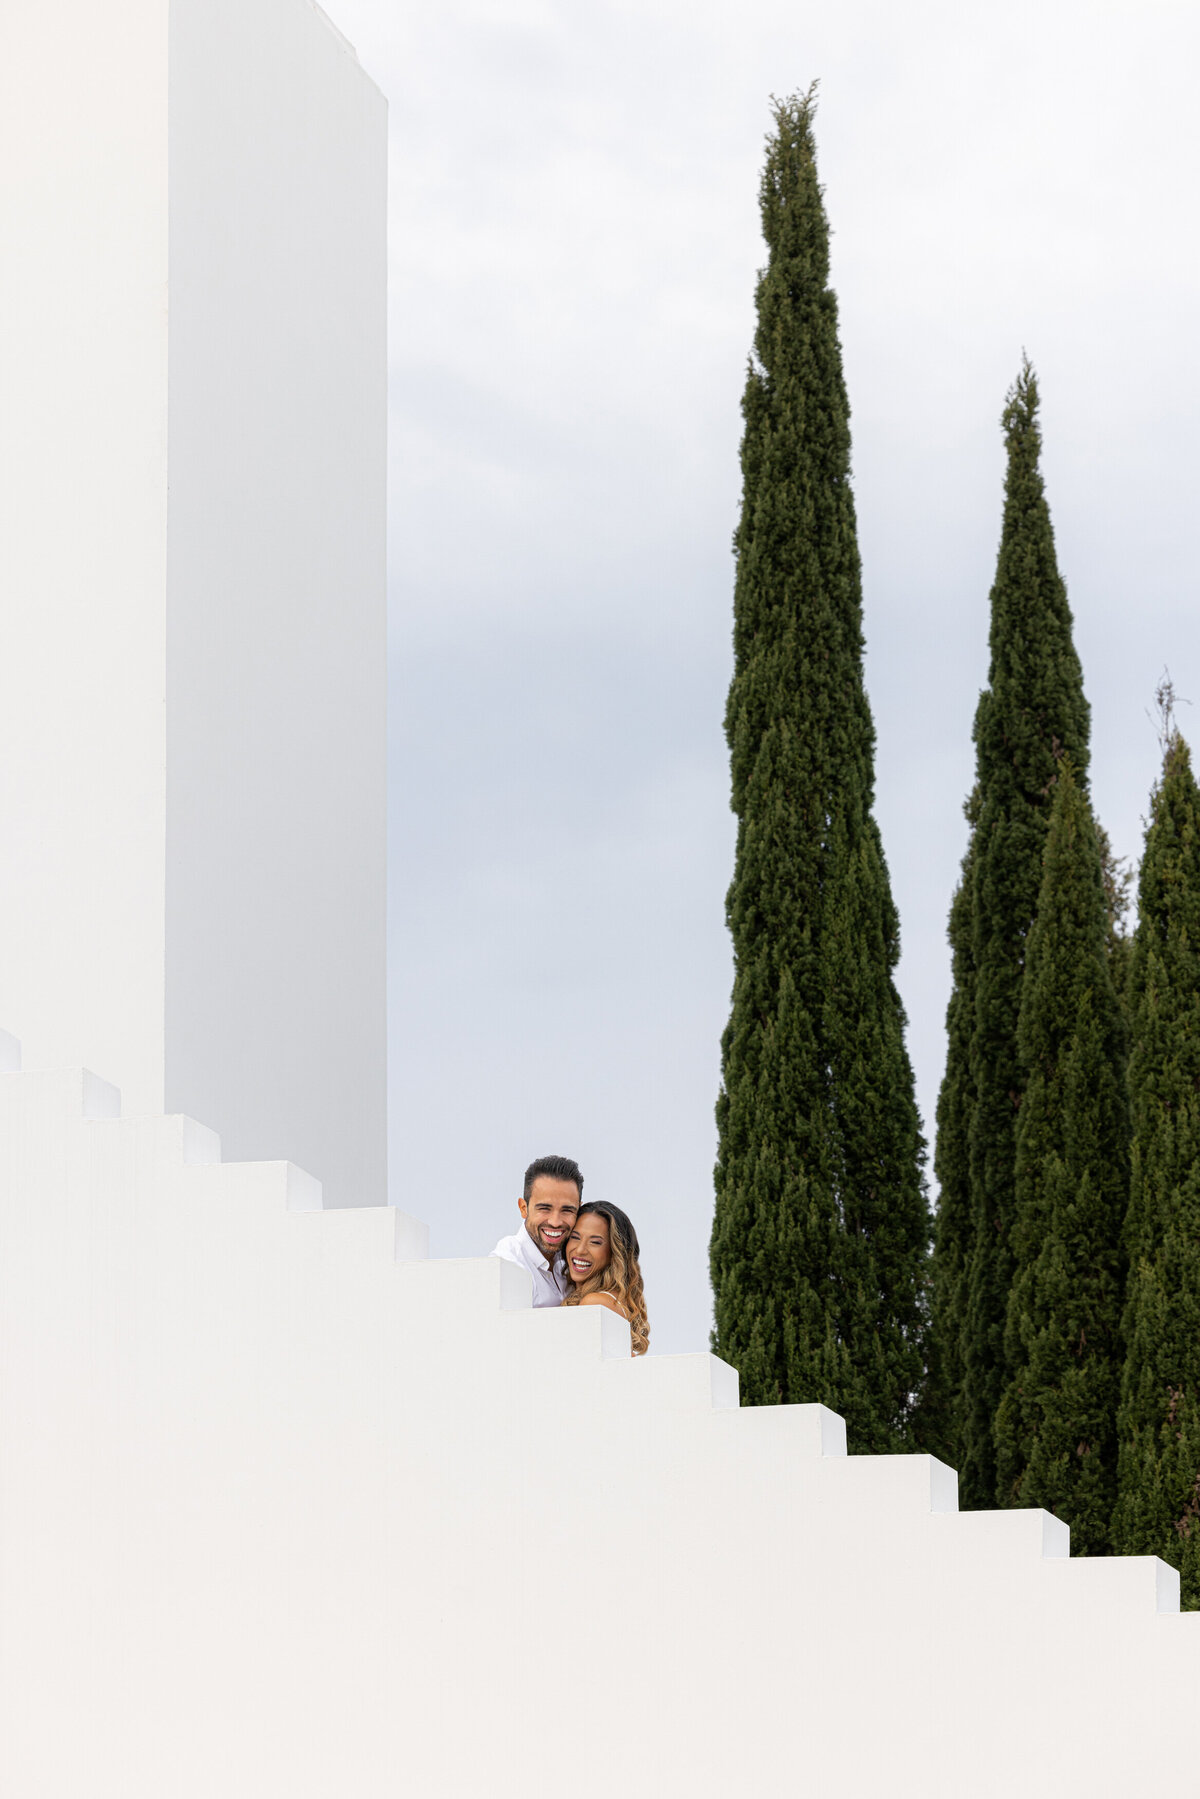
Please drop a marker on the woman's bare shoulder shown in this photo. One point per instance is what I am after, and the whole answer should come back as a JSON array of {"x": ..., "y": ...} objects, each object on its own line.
[{"x": 602, "y": 1299}]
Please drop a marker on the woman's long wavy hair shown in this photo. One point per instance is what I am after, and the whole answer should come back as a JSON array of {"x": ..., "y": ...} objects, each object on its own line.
[{"x": 622, "y": 1278}]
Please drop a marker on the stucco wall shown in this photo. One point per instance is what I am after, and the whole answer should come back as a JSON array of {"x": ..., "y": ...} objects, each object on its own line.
[
  {"x": 192, "y": 514},
  {"x": 283, "y": 1514},
  {"x": 276, "y": 590},
  {"x": 83, "y": 533}
]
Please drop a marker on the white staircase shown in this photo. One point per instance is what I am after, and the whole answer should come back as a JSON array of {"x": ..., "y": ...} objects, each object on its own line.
[{"x": 287, "y": 1510}]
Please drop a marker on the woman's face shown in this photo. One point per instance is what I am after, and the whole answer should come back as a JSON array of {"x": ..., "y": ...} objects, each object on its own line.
[{"x": 588, "y": 1248}]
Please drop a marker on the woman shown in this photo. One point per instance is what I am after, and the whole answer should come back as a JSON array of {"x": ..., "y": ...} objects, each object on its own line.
[{"x": 602, "y": 1264}]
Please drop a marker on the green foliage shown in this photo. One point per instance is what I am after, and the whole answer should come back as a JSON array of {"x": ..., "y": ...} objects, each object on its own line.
[
  {"x": 1032, "y": 711},
  {"x": 1055, "y": 1428},
  {"x": 1158, "y": 1507},
  {"x": 820, "y": 1233},
  {"x": 939, "y": 1427},
  {"x": 1118, "y": 878}
]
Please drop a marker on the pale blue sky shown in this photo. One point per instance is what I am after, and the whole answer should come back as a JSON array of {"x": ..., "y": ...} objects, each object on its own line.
[{"x": 574, "y": 240}]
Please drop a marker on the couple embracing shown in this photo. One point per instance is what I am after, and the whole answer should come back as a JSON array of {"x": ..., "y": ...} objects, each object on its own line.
[{"x": 578, "y": 1254}]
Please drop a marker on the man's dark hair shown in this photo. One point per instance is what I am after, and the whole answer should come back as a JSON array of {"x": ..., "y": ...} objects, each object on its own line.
[{"x": 558, "y": 1168}]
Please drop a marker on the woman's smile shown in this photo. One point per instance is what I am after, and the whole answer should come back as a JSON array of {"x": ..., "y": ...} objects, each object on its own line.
[{"x": 588, "y": 1249}]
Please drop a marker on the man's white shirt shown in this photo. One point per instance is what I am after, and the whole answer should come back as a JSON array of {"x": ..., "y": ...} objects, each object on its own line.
[{"x": 549, "y": 1283}]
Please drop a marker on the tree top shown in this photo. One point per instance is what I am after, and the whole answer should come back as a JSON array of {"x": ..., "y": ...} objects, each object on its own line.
[{"x": 1020, "y": 416}]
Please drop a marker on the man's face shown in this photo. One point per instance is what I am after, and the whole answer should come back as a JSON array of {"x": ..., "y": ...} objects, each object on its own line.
[{"x": 549, "y": 1213}]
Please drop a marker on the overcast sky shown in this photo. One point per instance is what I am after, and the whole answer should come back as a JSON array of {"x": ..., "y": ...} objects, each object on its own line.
[{"x": 574, "y": 242}]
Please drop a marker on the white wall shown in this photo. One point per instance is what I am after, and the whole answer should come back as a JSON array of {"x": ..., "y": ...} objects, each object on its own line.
[
  {"x": 192, "y": 534},
  {"x": 83, "y": 532},
  {"x": 277, "y": 626},
  {"x": 280, "y": 1514}
]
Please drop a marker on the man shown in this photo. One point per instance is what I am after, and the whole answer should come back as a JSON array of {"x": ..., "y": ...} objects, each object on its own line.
[{"x": 548, "y": 1204}]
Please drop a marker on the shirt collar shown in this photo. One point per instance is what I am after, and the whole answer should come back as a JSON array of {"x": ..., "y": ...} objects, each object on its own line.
[{"x": 534, "y": 1255}]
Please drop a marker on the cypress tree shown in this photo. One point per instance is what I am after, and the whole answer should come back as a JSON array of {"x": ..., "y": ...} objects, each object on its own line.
[
  {"x": 820, "y": 1234},
  {"x": 1158, "y": 1505},
  {"x": 940, "y": 1425},
  {"x": 1117, "y": 882},
  {"x": 1056, "y": 1423},
  {"x": 1032, "y": 711}
]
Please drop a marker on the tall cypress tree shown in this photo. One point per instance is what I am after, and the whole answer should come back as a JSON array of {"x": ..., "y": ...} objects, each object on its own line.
[
  {"x": 940, "y": 1424},
  {"x": 1158, "y": 1505},
  {"x": 820, "y": 1234},
  {"x": 1055, "y": 1427},
  {"x": 1032, "y": 711}
]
